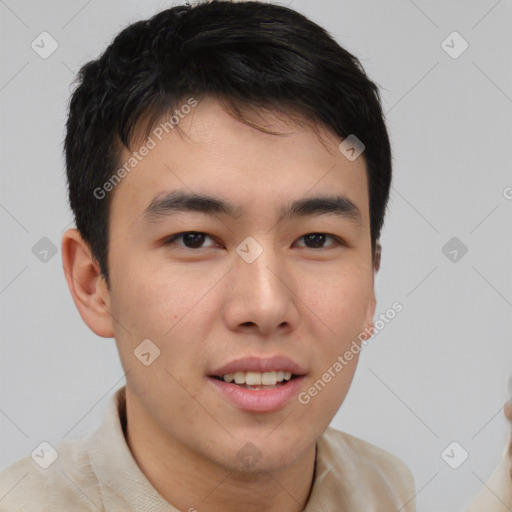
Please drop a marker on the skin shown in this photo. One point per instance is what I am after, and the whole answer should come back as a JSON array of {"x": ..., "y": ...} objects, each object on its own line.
[
  {"x": 507, "y": 410},
  {"x": 204, "y": 307}
]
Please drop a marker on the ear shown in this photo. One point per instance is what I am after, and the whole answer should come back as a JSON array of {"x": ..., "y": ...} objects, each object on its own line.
[
  {"x": 376, "y": 256},
  {"x": 370, "y": 312},
  {"x": 86, "y": 284}
]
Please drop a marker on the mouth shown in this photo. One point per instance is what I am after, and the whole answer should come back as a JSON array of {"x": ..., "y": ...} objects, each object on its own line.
[
  {"x": 258, "y": 384},
  {"x": 258, "y": 380},
  {"x": 258, "y": 391}
]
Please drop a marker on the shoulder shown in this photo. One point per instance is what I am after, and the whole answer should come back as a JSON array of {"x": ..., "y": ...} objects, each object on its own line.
[
  {"x": 56, "y": 479},
  {"x": 379, "y": 470},
  {"x": 341, "y": 441}
]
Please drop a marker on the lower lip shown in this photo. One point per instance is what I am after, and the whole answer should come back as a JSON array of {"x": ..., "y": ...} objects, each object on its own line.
[{"x": 259, "y": 400}]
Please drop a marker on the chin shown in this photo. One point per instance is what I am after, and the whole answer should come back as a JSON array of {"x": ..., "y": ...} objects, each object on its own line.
[{"x": 267, "y": 453}]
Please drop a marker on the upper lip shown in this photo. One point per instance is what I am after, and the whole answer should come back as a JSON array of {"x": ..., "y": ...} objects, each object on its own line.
[{"x": 258, "y": 364}]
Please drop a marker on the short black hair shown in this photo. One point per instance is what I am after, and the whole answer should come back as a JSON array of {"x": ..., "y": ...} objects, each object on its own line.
[{"x": 248, "y": 54}]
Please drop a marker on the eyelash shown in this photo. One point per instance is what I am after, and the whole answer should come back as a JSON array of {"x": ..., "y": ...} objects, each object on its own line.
[{"x": 339, "y": 241}]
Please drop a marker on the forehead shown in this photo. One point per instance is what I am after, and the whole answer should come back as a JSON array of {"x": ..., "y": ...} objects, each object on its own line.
[{"x": 217, "y": 155}]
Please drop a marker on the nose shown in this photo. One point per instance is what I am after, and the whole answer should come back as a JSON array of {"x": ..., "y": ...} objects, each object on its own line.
[{"x": 261, "y": 296}]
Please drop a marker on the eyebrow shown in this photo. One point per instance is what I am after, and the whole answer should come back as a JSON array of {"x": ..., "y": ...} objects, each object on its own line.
[{"x": 180, "y": 201}]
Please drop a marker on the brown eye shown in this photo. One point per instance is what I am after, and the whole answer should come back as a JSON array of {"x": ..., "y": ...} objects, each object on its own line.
[
  {"x": 191, "y": 239},
  {"x": 317, "y": 240}
]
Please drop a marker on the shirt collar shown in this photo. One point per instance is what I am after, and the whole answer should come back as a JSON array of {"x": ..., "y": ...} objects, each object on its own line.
[{"x": 123, "y": 484}]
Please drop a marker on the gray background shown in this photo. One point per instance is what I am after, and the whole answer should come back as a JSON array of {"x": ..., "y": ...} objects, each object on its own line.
[{"x": 436, "y": 374}]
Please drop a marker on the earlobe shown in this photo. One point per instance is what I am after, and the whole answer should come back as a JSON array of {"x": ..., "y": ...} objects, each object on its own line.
[{"x": 86, "y": 284}]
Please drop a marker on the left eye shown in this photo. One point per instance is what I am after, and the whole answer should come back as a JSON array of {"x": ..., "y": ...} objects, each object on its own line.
[
  {"x": 318, "y": 238},
  {"x": 195, "y": 240}
]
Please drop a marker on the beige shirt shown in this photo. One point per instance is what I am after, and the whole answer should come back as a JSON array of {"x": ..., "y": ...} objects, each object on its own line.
[{"x": 98, "y": 472}]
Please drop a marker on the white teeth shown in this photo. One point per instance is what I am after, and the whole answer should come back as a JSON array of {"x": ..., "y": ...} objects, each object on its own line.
[
  {"x": 253, "y": 378},
  {"x": 269, "y": 378},
  {"x": 258, "y": 378}
]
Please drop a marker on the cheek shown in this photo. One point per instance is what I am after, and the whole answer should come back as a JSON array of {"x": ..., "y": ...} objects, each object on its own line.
[
  {"x": 165, "y": 307},
  {"x": 150, "y": 300},
  {"x": 340, "y": 300},
  {"x": 340, "y": 309}
]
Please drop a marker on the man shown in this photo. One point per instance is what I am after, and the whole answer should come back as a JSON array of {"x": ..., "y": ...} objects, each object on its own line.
[{"x": 229, "y": 169}]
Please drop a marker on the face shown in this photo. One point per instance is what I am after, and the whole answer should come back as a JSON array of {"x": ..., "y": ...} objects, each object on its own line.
[{"x": 242, "y": 293}]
